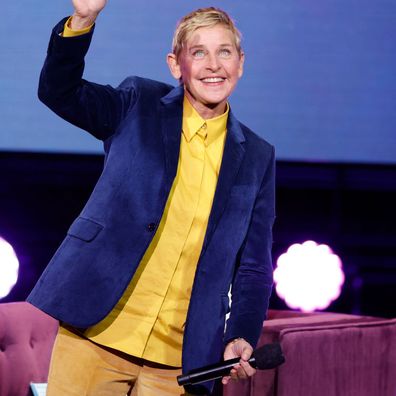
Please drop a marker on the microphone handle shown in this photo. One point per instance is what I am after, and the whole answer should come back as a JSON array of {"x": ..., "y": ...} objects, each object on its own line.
[{"x": 211, "y": 372}]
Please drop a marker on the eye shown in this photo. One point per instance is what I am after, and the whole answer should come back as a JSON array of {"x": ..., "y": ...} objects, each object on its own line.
[
  {"x": 225, "y": 53},
  {"x": 198, "y": 53}
]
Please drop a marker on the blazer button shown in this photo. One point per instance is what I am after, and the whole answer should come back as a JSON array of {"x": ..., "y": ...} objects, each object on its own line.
[{"x": 151, "y": 227}]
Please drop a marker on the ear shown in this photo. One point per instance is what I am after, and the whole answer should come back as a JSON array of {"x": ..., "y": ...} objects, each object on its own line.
[
  {"x": 174, "y": 66},
  {"x": 241, "y": 62}
]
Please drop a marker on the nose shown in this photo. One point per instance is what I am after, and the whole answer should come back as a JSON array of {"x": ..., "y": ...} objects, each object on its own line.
[{"x": 213, "y": 63}]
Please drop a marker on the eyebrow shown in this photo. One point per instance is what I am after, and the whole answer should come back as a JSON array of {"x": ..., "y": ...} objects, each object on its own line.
[
  {"x": 196, "y": 47},
  {"x": 200, "y": 46}
]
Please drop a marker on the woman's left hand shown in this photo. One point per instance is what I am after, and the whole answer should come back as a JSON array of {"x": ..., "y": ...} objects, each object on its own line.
[{"x": 242, "y": 349}]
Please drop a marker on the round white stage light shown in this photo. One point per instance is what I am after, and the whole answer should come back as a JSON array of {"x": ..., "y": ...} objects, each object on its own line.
[
  {"x": 309, "y": 276},
  {"x": 9, "y": 266}
]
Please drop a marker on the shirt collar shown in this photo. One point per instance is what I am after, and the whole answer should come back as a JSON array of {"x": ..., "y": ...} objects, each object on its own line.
[{"x": 209, "y": 129}]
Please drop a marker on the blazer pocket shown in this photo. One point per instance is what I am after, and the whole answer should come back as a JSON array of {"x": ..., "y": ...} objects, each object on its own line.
[{"x": 85, "y": 229}]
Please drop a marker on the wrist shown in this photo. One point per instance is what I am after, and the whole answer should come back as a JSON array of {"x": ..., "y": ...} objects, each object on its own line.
[
  {"x": 235, "y": 340},
  {"x": 78, "y": 22}
]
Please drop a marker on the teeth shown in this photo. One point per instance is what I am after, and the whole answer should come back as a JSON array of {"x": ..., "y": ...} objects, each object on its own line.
[{"x": 213, "y": 79}]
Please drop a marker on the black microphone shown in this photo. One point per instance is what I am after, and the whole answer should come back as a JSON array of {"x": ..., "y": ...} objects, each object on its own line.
[{"x": 266, "y": 357}]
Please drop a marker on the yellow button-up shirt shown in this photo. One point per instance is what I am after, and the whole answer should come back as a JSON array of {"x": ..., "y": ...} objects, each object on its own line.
[{"x": 149, "y": 319}]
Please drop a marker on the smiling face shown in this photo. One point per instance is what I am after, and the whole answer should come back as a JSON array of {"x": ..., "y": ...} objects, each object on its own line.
[{"x": 209, "y": 65}]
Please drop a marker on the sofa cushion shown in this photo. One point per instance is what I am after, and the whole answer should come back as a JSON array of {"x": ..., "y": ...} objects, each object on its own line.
[{"x": 26, "y": 339}]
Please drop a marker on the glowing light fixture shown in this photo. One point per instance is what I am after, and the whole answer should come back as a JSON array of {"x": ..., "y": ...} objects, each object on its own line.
[
  {"x": 309, "y": 276},
  {"x": 9, "y": 266}
]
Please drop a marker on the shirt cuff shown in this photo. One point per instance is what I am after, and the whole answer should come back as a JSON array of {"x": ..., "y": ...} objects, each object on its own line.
[{"x": 68, "y": 32}]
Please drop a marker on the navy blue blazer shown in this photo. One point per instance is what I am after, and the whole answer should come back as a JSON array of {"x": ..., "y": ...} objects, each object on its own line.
[{"x": 140, "y": 123}]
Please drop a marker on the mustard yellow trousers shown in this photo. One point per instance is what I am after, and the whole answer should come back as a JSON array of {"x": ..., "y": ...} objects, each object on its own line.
[{"x": 80, "y": 367}]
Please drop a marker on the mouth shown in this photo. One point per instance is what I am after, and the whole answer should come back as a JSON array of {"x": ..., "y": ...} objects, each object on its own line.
[{"x": 212, "y": 80}]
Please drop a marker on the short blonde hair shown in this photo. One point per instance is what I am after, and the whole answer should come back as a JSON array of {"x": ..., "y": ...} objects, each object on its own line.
[{"x": 203, "y": 17}]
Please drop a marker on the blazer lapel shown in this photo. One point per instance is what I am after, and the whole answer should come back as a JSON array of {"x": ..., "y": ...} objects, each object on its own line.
[
  {"x": 232, "y": 159},
  {"x": 171, "y": 126}
]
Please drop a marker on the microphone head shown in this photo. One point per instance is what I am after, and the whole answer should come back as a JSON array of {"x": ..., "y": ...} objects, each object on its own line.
[{"x": 268, "y": 356}]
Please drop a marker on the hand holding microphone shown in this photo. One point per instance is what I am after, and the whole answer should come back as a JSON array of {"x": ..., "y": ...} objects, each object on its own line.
[
  {"x": 241, "y": 349},
  {"x": 266, "y": 357}
]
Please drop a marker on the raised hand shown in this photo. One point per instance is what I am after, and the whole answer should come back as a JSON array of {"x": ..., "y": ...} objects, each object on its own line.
[{"x": 85, "y": 12}]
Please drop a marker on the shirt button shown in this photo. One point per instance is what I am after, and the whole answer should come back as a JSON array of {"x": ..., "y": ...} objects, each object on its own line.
[{"x": 151, "y": 227}]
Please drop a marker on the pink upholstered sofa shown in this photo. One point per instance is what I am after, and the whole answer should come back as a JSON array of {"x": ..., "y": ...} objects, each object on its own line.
[
  {"x": 326, "y": 354},
  {"x": 26, "y": 339}
]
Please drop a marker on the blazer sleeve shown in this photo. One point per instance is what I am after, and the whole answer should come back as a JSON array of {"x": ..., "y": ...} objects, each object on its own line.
[
  {"x": 96, "y": 108},
  {"x": 253, "y": 280}
]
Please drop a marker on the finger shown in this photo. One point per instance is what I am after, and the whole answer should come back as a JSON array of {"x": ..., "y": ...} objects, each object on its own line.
[
  {"x": 234, "y": 374},
  {"x": 246, "y": 353},
  {"x": 226, "y": 380},
  {"x": 248, "y": 369},
  {"x": 241, "y": 373}
]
